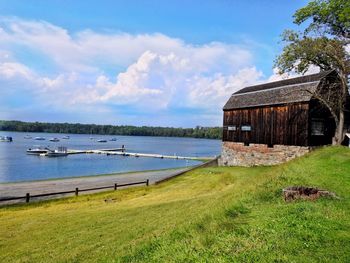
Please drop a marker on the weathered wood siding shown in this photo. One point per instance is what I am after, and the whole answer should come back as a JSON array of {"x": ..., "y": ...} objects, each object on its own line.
[
  {"x": 319, "y": 111},
  {"x": 286, "y": 124}
]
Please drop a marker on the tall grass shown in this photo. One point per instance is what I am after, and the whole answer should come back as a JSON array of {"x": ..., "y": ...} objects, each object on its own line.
[{"x": 208, "y": 215}]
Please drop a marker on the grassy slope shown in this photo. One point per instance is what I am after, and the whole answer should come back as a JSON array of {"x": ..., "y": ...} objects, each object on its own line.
[{"x": 208, "y": 215}]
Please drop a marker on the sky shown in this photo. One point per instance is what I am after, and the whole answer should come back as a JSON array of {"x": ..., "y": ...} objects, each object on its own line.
[{"x": 153, "y": 63}]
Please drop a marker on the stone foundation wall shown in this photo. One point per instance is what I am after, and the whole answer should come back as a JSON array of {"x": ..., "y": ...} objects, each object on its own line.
[{"x": 236, "y": 154}]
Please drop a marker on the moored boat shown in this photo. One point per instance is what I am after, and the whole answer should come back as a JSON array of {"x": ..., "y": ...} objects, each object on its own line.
[
  {"x": 66, "y": 137},
  {"x": 54, "y": 140},
  {"x": 6, "y": 139},
  {"x": 113, "y": 139},
  {"x": 27, "y": 137},
  {"x": 102, "y": 140},
  {"x": 39, "y": 138},
  {"x": 61, "y": 151},
  {"x": 38, "y": 150}
]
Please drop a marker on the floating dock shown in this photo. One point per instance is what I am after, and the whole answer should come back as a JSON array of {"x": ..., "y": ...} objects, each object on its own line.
[
  {"x": 123, "y": 152},
  {"x": 70, "y": 151}
]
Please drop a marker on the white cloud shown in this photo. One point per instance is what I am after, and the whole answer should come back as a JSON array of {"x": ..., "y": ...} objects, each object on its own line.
[
  {"x": 152, "y": 71},
  {"x": 86, "y": 49},
  {"x": 277, "y": 76},
  {"x": 214, "y": 91},
  {"x": 12, "y": 70},
  {"x": 162, "y": 81}
]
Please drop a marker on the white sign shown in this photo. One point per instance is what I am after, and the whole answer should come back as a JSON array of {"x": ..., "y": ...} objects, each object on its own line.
[{"x": 246, "y": 128}]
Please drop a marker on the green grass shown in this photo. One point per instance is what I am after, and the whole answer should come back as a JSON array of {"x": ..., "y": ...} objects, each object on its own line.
[{"x": 208, "y": 215}]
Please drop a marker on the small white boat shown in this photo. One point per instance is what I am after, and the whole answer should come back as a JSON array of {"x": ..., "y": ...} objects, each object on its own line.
[
  {"x": 5, "y": 139},
  {"x": 38, "y": 150},
  {"x": 39, "y": 138},
  {"x": 54, "y": 140},
  {"x": 101, "y": 140},
  {"x": 56, "y": 153},
  {"x": 27, "y": 137},
  {"x": 66, "y": 137},
  {"x": 61, "y": 151}
]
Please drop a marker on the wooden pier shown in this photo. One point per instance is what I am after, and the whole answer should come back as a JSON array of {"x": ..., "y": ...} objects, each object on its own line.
[
  {"x": 123, "y": 152},
  {"x": 70, "y": 151}
]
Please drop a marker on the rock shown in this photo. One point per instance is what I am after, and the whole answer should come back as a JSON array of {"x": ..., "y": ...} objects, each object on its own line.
[
  {"x": 110, "y": 200},
  {"x": 307, "y": 193}
]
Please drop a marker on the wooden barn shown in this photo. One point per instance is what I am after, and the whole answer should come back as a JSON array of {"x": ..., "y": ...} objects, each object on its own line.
[{"x": 281, "y": 113}]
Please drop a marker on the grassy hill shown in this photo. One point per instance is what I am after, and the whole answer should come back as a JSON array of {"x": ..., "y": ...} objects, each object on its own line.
[{"x": 208, "y": 215}]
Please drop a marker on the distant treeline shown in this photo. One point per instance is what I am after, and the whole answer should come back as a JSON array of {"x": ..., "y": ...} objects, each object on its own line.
[{"x": 198, "y": 132}]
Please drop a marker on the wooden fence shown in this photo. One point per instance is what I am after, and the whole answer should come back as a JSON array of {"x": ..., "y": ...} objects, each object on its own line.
[{"x": 76, "y": 191}]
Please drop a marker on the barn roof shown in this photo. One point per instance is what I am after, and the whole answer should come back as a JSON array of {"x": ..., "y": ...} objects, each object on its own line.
[{"x": 292, "y": 90}]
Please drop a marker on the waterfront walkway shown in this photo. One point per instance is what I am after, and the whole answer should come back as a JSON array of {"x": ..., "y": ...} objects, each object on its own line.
[
  {"x": 122, "y": 152},
  {"x": 61, "y": 185}
]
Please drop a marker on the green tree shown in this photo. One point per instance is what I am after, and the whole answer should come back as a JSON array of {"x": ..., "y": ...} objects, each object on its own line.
[
  {"x": 324, "y": 44},
  {"x": 331, "y": 17}
]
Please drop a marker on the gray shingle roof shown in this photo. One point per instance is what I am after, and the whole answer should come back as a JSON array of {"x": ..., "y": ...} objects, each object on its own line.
[{"x": 298, "y": 89}]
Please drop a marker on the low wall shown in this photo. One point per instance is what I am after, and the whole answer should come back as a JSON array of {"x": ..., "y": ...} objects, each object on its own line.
[
  {"x": 211, "y": 163},
  {"x": 236, "y": 154}
]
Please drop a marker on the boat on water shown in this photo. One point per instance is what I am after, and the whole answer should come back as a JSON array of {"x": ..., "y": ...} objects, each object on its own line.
[
  {"x": 39, "y": 138},
  {"x": 102, "y": 140},
  {"x": 113, "y": 139},
  {"x": 54, "y": 140},
  {"x": 38, "y": 150},
  {"x": 27, "y": 137},
  {"x": 66, "y": 137},
  {"x": 60, "y": 152},
  {"x": 6, "y": 139}
]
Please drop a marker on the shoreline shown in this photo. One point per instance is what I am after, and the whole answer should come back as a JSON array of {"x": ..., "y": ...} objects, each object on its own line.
[
  {"x": 98, "y": 175},
  {"x": 14, "y": 190},
  {"x": 98, "y": 134}
]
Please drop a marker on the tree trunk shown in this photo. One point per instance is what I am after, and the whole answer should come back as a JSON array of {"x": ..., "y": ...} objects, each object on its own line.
[{"x": 339, "y": 131}]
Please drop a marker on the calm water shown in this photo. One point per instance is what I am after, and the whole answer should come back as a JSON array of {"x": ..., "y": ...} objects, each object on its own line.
[{"x": 16, "y": 165}]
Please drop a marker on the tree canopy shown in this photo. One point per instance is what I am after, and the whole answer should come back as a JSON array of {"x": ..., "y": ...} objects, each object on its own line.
[
  {"x": 324, "y": 43},
  {"x": 328, "y": 16},
  {"x": 198, "y": 132}
]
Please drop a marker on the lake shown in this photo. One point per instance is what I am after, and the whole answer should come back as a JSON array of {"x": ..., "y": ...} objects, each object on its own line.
[{"x": 16, "y": 165}]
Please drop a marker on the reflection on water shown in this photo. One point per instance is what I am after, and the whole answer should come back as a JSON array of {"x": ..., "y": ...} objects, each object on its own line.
[{"x": 16, "y": 165}]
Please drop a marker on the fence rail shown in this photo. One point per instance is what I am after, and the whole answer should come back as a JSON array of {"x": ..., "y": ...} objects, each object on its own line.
[{"x": 76, "y": 191}]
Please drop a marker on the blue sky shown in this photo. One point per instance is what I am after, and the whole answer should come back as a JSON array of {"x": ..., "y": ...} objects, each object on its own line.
[{"x": 167, "y": 63}]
